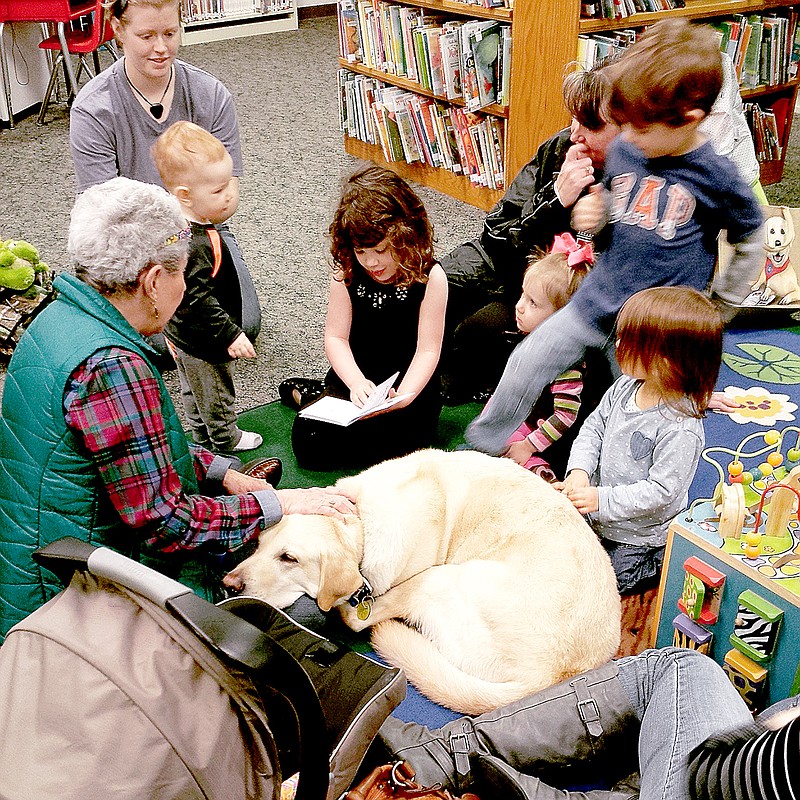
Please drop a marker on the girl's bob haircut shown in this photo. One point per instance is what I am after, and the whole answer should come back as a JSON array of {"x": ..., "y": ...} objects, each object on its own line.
[
  {"x": 674, "y": 334},
  {"x": 377, "y": 205}
]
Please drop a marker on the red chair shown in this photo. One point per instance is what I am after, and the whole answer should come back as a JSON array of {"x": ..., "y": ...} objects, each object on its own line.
[
  {"x": 80, "y": 42},
  {"x": 57, "y": 12}
]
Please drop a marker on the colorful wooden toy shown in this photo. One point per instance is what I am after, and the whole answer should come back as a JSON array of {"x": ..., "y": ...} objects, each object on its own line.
[
  {"x": 749, "y": 679},
  {"x": 690, "y": 635},
  {"x": 702, "y": 591},
  {"x": 756, "y": 627}
]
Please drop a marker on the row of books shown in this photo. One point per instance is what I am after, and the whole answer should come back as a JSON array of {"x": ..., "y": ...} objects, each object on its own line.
[
  {"x": 203, "y": 10},
  {"x": 764, "y": 127},
  {"x": 488, "y": 3},
  {"x": 455, "y": 59},
  {"x": 595, "y": 47},
  {"x": 619, "y": 9},
  {"x": 412, "y": 128},
  {"x": 765, "y": 48}
]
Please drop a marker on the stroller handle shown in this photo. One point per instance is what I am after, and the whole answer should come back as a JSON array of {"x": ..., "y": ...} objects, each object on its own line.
[{"x": 65, "y": 555}]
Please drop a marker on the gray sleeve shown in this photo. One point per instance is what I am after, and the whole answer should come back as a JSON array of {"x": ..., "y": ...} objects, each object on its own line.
[
  {"x": 675, "y": 458},
  {"x": 94, "y": 152},
  {"x": 585, "y": 451},
  {"x": 270, "y": 506},
  {"x": 734, "y": 283},
  {"x": 225, "y": 127}
]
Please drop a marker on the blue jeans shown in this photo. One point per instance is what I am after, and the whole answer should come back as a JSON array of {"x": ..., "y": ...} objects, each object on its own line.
[
  {"x": 558, "y": 343},
  {"x": 682, "y": 698}
]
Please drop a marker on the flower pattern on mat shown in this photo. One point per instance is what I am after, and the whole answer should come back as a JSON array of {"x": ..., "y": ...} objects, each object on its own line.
[
  {"x": 760, "y": 406},
  {"x": 765, "y": 363}
]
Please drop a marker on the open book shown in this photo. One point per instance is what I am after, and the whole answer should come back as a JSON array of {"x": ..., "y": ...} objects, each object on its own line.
[{"x": 343, "y": 412}]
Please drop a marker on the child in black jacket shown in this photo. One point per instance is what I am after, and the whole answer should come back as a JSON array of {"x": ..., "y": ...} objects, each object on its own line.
[{"x": 205, "y": 334}]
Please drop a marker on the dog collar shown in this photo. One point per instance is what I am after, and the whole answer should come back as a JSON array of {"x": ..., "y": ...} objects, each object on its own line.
[
  {"x": 771, "y": 268},
  {"x": 363, "y": 599},
  {"x": 364, "y": 593}
]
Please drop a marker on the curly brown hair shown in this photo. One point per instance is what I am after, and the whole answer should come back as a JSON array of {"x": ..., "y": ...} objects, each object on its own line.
[{"x": 377, "y": 204}]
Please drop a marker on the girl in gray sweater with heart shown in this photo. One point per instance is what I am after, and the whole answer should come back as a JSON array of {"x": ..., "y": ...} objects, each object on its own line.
[{"x": 631, "y": 465}]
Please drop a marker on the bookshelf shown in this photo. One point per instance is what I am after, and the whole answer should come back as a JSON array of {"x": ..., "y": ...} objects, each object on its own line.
[
  {"x": 781, "y": 96},
  {"x": 439, "y": 178},
  {"x": 214, "y": 20},
  {"x": 545, "y": 36}
]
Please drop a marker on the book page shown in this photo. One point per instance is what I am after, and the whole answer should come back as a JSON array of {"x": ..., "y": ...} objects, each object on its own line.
[{"x": 343, "y": 412}]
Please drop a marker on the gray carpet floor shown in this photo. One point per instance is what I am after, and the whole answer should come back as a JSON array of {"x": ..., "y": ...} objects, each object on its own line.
[{"x": 285, "y": 90}]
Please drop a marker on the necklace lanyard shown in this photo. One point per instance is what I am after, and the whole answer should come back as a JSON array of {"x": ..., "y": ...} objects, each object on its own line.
[{"x": 156, "y": 109}]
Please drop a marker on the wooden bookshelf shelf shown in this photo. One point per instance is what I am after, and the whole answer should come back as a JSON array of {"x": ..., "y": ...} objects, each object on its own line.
[
  {"x": 763, "y": 90},
  {"x": 413, "y": 86},
  {"x": 463, "y": 9},
  {"x": 442, "y": 180},
  {"x": 702, "y": 9}
]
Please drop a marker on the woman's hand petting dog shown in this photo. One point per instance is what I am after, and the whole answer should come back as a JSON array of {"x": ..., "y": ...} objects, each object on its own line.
[{"x": 328, "y": 502}]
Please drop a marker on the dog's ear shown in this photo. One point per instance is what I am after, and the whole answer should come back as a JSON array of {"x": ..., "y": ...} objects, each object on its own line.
[
  {"x": 338, "y": 577},
  {"x": 787, "y": 215}
]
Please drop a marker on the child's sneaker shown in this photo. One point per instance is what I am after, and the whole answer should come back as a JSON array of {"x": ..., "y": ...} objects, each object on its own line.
[{"x": 249, "y": 441}]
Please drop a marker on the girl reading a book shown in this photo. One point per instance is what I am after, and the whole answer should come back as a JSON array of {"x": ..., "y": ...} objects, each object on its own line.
[{"x": 385, "y": 315}]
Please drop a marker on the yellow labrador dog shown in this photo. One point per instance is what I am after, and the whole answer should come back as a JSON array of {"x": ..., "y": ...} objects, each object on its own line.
[{"x": 477, "y": 577}]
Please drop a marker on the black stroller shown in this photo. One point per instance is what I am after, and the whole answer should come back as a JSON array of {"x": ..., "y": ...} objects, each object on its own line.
[{"x": 128, "y": 685}]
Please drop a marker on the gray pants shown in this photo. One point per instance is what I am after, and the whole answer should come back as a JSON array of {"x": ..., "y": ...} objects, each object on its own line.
[{"x": 209, "y": 398}]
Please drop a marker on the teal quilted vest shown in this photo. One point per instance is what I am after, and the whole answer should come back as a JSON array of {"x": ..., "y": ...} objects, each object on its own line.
[{"x": 49, "y": 487}]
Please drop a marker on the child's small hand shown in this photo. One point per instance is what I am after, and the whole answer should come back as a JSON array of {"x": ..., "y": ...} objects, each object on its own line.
[
  {"x": 589, "y": 213},
  {"x": 585, "y": 499},
  {"x": 520, "y": 452},
  {"x": 241, "y": 347},
  {"x": 577, "y": 479},
  {"x": 359, "y": 392},
  {"x": 576, "y": 174},
  {"x": 722, "y": 403}
]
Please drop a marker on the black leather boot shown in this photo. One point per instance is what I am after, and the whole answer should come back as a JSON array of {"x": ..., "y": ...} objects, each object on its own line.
[
  {"x": 580, "y": 731},
  {"x": 493, "y": 779}
]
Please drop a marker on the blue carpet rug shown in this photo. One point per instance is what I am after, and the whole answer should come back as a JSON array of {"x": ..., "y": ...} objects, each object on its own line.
[{"x": 761, "y": 371}]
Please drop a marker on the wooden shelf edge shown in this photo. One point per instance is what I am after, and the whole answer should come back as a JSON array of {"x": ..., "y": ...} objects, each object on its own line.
[
  {"x": 412, "y": 86},
  {"x": 771, "y": 172},
  {"x": 462, "y": 9},
  {"x": 763, "y": 89},
  {"x": 442, "y": 180},
  {"x": 699, "y": 10}
]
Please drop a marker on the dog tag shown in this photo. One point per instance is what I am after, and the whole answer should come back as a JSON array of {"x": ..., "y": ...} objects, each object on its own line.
[{"x": 363, "y": 608}]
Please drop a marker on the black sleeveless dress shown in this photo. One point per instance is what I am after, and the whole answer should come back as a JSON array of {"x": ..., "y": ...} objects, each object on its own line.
[{"x": 383, "y": 339}]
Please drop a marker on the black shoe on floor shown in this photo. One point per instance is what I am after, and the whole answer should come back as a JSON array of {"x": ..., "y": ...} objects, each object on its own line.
[
  {"x": 267, "y": 469},
  {"x": 297, "y": 392}
]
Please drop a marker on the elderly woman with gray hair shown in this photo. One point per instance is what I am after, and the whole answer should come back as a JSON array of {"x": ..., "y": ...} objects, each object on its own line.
[{"x": 92, "y": 446}]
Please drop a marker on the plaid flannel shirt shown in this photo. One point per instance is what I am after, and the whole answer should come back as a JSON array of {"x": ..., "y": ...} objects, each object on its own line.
[{"x": 112, "y": 404}]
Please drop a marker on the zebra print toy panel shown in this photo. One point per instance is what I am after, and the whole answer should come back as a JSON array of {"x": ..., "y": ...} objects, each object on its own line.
[{"x": 756, "y": 626}]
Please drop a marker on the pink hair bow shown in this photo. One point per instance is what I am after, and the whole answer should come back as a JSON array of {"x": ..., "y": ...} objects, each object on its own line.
[{"x": 576, "y": 253}]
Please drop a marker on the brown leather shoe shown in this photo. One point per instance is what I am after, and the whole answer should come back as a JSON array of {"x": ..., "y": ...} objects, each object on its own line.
[{"x": 268, "y": 469}]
